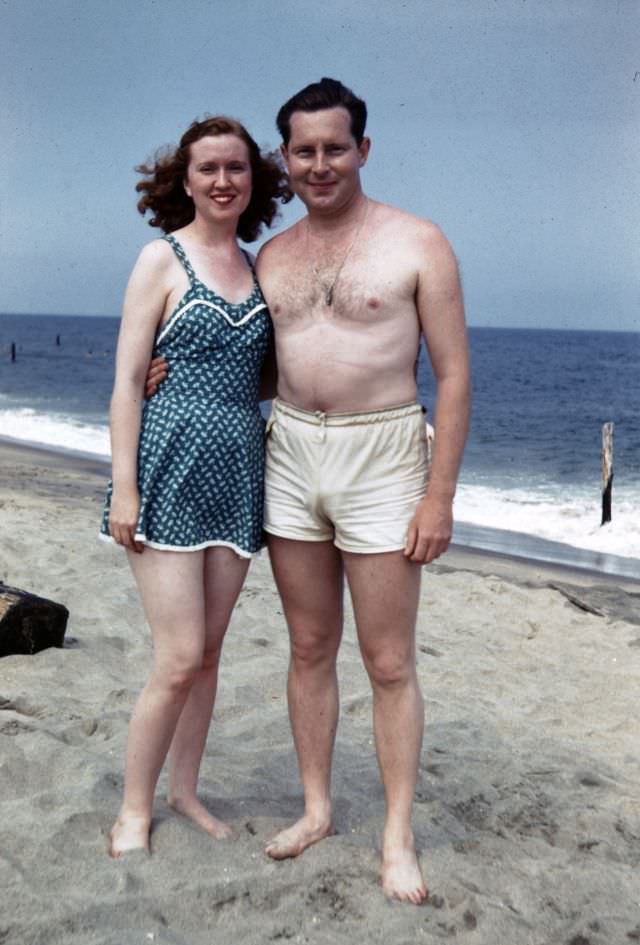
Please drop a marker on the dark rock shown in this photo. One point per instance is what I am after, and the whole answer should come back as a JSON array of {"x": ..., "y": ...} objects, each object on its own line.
[{"x": 29, "y": 623}]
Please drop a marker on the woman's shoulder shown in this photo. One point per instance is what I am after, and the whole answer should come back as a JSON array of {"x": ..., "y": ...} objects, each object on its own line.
[
  {"x": 155, "y": 266},
  {"x": 156, "y": 254}
]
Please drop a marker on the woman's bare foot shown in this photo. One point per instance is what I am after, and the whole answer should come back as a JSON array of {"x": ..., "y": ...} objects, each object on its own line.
[
  {"x": 195, "y": 810},
  {"x": 295, "y": 839},
  {"x": 129, "y": 833},
  {"x": 401, "y": 874}
]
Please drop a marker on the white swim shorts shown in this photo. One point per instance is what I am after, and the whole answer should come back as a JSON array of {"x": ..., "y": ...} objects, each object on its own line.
[{"x": 355, "y": 479}]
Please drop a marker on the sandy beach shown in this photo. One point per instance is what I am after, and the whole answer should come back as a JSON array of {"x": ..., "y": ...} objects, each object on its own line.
[{"x": 527, "y": 810}]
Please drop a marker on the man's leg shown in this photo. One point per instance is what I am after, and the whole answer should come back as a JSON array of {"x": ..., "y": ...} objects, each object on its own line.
[
  {"x": 309, "y": 578},
  {"x": 385, "y": 592}
]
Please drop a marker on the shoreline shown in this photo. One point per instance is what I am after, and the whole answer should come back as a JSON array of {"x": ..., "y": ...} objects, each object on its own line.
[{"x": 505, "y": 550}]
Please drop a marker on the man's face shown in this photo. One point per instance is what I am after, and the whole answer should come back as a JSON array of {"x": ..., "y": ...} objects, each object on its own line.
[{"x": 323, "y": 159}]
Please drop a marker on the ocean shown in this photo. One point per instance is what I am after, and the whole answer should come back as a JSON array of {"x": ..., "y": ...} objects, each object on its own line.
[{"x": 531, "y": 478}]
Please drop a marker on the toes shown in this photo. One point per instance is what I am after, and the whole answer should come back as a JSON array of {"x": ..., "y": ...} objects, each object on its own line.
[{"x": 276, "y": 852}]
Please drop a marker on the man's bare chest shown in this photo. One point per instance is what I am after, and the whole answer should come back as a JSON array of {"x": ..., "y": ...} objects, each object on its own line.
[{"x": 362, "y": 290}]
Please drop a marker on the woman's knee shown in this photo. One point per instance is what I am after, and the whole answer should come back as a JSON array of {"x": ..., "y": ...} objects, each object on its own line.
[
  {"x": 211, "y": 656},
  {"x": 311, "y": 650},
  {"x": 390, "y": 668},
  {"x": 179, "y": 675}
]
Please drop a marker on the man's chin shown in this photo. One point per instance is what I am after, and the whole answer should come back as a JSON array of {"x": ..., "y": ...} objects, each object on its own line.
[{"x": 315, "y": 201}]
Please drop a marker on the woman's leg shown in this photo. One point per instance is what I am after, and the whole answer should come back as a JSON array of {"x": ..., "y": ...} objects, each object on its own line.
[
  {"x": 171, "y": 586},
  {"x": 224, "y": 574}
]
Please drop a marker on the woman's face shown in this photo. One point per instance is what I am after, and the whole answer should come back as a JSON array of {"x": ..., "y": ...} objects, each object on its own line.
[{"x": 218, "y": 177}]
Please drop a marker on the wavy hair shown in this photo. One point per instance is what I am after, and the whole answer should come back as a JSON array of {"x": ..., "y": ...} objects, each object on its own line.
[{"x": 163, "y": 190}]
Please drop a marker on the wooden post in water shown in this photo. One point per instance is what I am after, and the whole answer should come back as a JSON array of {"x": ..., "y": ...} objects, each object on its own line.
[
  {"x": 607, "y": 471},
  {"x": 13, "y": 351}
]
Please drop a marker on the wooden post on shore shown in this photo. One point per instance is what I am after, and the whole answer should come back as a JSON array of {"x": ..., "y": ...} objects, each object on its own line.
[{"x": 607, "y": 471}]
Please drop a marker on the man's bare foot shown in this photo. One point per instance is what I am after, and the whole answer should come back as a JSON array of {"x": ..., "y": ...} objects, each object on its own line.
[
  {"x": 129, "y": 833},
  {"x": 295, "y": 839},
  {"x": 195, "y": 810},
  {"x": 401, "y": 874}
]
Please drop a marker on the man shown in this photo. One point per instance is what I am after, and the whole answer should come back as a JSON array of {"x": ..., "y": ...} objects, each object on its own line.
[{"x": 351, "y": 287}]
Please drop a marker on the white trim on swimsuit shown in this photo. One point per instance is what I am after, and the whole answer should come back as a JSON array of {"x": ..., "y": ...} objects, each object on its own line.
[
  {"x": 185, "y": 308},
  {"x": 205, "y": 544}
]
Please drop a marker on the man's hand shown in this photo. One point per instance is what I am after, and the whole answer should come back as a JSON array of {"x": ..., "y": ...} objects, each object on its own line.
[
  {"x": 158, "y": 370},
  {"x": 123, "y": 519},
  {"x": 430, "y": 530}
]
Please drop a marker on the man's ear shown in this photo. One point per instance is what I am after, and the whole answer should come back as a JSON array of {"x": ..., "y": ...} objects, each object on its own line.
[
  {"x": 285, "y": 154},
  {"x": 363, "y": 150}
]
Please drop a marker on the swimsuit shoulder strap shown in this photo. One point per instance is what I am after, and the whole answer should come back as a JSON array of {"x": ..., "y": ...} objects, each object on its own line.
[{"x": 182, "y": 256}]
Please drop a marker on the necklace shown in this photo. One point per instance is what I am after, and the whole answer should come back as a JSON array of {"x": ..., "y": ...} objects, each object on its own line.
[{"x": 328, "y": 291}]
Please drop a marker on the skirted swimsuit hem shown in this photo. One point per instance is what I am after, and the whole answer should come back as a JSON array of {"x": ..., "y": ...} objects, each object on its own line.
[{"x": 241, "y": 552}]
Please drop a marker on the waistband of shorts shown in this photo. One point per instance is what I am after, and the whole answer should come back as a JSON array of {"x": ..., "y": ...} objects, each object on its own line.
[{"x": 320, "y": 418}]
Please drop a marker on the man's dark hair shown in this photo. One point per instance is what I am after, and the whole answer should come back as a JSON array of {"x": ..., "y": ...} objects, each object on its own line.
[{"x": 327, "y": 93}]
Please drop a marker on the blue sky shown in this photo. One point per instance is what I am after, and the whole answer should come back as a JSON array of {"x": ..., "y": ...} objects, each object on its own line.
[{"x": 511, "y": 123}]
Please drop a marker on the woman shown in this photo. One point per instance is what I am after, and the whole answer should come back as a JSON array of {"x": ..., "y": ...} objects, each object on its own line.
[{"x": 188, "y": 466}]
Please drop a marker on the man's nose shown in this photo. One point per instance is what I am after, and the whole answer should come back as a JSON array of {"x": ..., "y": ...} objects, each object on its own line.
[{"x": 320, "y": 163}]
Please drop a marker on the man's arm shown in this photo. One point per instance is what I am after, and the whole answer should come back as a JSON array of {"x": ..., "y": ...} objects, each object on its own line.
[
  {"x": 156, "y": 373},
  {"x": 441, "y": 313}
]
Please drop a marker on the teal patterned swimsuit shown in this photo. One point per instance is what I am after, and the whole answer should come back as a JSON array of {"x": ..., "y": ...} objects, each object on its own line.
[{"x": 201, "y": 449}]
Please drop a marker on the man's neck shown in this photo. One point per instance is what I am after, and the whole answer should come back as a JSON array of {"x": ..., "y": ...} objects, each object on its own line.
[{"x": 321, "y": 223}]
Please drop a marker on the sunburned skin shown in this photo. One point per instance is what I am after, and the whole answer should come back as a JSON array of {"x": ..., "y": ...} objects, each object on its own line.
[{"x": 359, "y": 353}]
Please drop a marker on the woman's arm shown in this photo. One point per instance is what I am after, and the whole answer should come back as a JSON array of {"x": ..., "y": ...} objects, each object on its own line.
[{"x": 144, "y": 305}]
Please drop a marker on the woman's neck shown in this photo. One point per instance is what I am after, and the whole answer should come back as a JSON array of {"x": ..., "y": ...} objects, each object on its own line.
[{"x": 212, "y": 236}]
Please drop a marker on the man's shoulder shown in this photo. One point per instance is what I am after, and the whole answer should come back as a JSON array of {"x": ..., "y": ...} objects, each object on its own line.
[
  {"x": 415, "y": 236},
  {"x": 280, "y": 242},
  {"x": 408, "y": 224}
]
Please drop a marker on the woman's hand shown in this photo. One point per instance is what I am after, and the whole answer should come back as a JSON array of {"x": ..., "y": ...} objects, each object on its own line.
[{"x": 123, "y": 518}]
